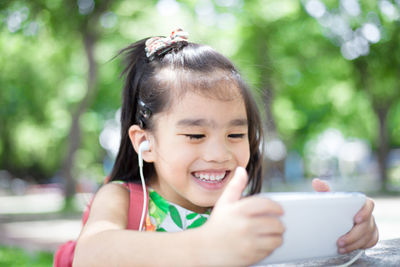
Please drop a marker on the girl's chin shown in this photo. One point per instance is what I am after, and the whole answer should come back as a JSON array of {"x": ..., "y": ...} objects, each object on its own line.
[{"x": 204, "y": 201}]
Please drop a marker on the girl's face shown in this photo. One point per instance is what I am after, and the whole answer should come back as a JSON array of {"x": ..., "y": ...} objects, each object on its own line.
[{"x": 198, "y": 143}]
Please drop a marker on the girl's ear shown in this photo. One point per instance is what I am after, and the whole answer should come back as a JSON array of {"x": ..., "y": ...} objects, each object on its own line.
[{"x": 137, "y": 135}]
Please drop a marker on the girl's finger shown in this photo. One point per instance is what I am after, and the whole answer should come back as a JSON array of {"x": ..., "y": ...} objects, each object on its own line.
[
  {"x": 360, "y": 236},
  {"x": 320, "y": 186},
  {"x": 366, "y": 211},
  {"x": 374, "y": 239},
  {"x": 356, "y": 233},
  {"x": 360, "y": 243},
  {"x": 268, "y": 243},
  {"x": 257, "y": 206},
  {"x": 234, "y": 189},
  {"x": 268, "y": 225},
  {"x": 368, "y": 240}
]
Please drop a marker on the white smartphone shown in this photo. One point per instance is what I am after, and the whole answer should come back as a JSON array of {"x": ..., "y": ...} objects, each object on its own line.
[{"x": 314, "y": 222}]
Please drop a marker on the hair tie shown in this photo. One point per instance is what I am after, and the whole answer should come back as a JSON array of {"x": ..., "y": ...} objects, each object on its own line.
[
  {"x": 143, "y": 114},
  {"x": 162, "y": 45}
]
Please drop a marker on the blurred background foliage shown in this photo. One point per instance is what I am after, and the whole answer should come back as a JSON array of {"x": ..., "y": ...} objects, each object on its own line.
[{"x": 325, "y": 75}]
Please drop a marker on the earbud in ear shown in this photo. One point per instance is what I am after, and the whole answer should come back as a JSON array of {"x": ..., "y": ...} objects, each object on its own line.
[{"x": 144, "y": 146}]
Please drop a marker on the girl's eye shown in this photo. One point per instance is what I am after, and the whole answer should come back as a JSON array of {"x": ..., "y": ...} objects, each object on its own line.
[
  {"x": 195, "y": 136},
  {"x": 237, "y": 136}
]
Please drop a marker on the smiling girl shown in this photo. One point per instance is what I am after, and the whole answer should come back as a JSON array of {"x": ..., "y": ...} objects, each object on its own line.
[{"x": 204, "y": 132}]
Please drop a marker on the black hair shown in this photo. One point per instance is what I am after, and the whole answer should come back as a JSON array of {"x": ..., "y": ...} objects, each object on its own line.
[{"x": 146, "y": 94}]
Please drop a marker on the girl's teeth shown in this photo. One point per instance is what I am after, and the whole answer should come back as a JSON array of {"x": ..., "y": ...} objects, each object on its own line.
[{"x": 208, "y": 177}]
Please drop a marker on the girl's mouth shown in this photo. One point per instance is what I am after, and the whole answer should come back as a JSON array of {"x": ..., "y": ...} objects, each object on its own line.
[{"x": 211, "y": 176}]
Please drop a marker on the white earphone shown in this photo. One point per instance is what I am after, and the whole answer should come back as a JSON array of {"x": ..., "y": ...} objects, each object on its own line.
[{"x": 144, "y": 146}]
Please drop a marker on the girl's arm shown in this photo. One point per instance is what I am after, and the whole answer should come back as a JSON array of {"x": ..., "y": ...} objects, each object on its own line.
[
  {"x": 104, "y": 240},
  {"x": 239, "y": 232}
]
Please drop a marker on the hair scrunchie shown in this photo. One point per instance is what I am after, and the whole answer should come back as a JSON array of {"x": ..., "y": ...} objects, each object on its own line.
[{"x": 162, "y": 45}]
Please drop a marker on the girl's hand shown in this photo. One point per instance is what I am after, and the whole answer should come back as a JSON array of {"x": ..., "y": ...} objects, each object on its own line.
[
  {"x": 364, "y": 233},
  {"x": 242, "y": 231}
]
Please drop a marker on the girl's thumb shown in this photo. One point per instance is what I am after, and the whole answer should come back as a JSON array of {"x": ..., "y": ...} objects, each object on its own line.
[
  {"x": 320, "y": 186},
  {"x": 235, "y": 187}
]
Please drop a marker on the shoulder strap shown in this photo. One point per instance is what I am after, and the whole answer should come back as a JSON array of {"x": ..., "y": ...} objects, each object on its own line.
[{"x": 136, "y": 205}]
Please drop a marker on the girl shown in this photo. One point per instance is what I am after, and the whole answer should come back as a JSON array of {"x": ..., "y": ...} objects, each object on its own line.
[{"x": 204, "y": 132}]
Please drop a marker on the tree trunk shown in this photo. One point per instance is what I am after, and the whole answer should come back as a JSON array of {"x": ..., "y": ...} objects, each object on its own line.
[
  {"x": 268, "y": 96},
  {"x": 74, "y": 137},
  {"x": 383, "y": 149},
  {"x": 272, "y": 169},
  {"x": 267, "y": 88},
  {"x": 89, "y": 38},
  {"x": 381, "y": 112}
]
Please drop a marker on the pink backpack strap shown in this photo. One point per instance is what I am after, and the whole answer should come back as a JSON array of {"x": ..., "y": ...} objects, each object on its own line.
[
  {"x": 64, "y": 255},
  {"x": 136, "y": 205}
]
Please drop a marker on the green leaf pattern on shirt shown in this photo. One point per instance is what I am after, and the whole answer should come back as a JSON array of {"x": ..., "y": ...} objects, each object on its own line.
[
  {"x": 175, "y": 215},
  {"x": 158, "y": 208},
  {"x": 191, "y": 216},
  {"x": 169, "y": 217},
  {"x": 200, "y": 221}
]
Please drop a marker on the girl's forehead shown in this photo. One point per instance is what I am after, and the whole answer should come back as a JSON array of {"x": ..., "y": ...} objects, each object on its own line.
[
  {"x": 215, "y": 84},
  {"x": 203, "y": 110}
]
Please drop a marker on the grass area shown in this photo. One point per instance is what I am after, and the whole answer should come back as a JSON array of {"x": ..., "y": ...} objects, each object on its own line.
[{"x": 10, "y": 256}]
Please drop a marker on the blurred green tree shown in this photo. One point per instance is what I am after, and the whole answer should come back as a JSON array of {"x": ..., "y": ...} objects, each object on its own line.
[
  {"x": 58, "y": 86},
  {"x": 70, "y": 26},
  {"x": 368, "y": 35},
  {"x": 52, "y": 113}
]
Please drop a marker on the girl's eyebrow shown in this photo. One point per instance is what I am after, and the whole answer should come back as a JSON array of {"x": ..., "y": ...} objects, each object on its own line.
[{"x": 210, "y": 123}]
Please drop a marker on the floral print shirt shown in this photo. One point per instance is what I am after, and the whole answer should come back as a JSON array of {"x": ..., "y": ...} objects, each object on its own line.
[{"x": 164, "y": 216}]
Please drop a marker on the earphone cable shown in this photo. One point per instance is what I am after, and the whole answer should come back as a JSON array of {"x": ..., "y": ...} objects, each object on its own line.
[
  {"x": 144, "y": 197},
  {"x": 350, "y": 262}
]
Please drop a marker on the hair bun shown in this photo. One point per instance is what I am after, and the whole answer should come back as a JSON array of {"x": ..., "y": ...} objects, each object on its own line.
[{"x": 161, "y": 45}]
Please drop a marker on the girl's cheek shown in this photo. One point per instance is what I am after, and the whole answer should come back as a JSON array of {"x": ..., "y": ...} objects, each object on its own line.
[
  {"x": 243, "y": 154},
  {"x": 184, "y": 150}
]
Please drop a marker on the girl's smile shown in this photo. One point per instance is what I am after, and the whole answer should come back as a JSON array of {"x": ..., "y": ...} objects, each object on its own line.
[
  {"x": 211, "y": 179},
  {"x": 198, "y": 143},
  {"x": 210, "y": 176}
]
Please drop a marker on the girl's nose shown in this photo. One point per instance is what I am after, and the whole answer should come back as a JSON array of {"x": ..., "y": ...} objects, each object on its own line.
[{"x": 217, "y": 151}]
